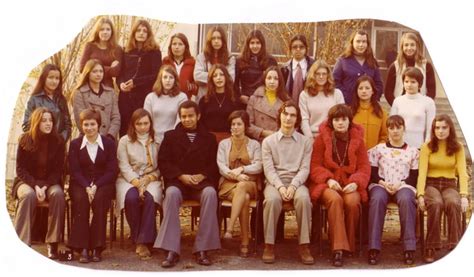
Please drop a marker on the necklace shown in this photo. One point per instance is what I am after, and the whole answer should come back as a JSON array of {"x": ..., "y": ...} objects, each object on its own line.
[
  {"x": 220, "y": 103},
  {"x": 339, "y": 161}
]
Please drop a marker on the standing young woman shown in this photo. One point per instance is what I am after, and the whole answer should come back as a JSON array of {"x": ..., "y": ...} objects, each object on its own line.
[
  {"x": 368, "y": 112},
  {"x": 39, "y": 167},
  {"x": 357, "y": 60},
  {"x": 339, "y": 174},
  {"x": 240, "y": 160},
  {"x": 218, "y": 103},
  {"x": 48, "y": 93},
  {"x": 417, "y": 110},
  {"x": 215, "y": 51},
  {"x": 295, "y": 70},
  {"x": 393, "y": 179},
  {"x": 138, "y": 187},
  {"x": 103, "y": 47},
  {"x": 141, "y": 62},
  {"x": 442, "y": 184},
  {"x": 250, "y": 66},
  {"x": 92, "y": 93},
  {"x": 264, "y": 104},
  {"x": 317, "y": 98},
  {"x": 410, "y": 54},
  {"x": 93, "y": 166},
  {"x": 179, "y": 56},
  {"x": 164, "y": 101}
]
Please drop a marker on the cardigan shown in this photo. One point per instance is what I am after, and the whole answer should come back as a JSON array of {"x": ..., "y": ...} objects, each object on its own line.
[
  {"x": 439, "y": 164},
  {"x": 27, "y": 161},
  {"x": 418, "y": 111},
  {"x": 375, "y": 128},
  {"x": 314, "y": 110},
  {"x": 255, "y": 156},
  {"x": 323, "y": 167},
  {"x": 185, "y": 75},
  {"x": 102, "y": 172},
  {"x": 394, "y": 83},
  {"x": 346, "y": 72},
  {"x": 263, "y": 116},
  {"x": 57, "y": 106},
  {"x": 106, "y": 104},
  {"x": 164, "y": 112},
  {"x": 92, "y": 51}
]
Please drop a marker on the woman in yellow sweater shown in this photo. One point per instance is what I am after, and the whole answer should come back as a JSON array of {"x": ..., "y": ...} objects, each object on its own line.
[
  {"x": 368, "y": 112},
  {"x": 442, "y": 165}
]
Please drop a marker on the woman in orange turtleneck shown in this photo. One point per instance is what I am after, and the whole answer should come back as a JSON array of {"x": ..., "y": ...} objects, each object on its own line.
[{"x": 368, "y": 112}]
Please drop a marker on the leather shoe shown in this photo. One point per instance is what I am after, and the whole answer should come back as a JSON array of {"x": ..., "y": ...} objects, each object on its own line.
[
  {"x": 337, "y": 258},
  {"x": 53, "y": 250},
  {"x": 84, "y": 258},
  {"x": 203, "y": 259},
  {"x": 305, "y": 254},
  {"x": 429, "y": 255},
  {"x": 408, "y": 255},
  {"x": 373, "y": 258},
  {"x": 171, "y": 260},
  {"x": 268, "y": 256},
  {"x": 96, "y": 255}
]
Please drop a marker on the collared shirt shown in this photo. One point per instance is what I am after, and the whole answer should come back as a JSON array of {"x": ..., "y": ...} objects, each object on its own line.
[
  {"x": 304, "y": 66},
  {"x": 179, "y": 66},
  {"x": 293, "y": 135},
  {"x": 92, "y": 148}
]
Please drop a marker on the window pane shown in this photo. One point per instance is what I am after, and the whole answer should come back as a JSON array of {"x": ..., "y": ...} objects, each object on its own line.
[
  {"x": 386, "y": 47},
  {"x": 239, "y": 34}
]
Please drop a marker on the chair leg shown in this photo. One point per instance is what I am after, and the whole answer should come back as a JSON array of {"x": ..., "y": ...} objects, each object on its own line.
[
  {"x": 463, "y": 222},
  {"x": 121, "y": 228},
  {"x": 422, "y": 231},
  {"x": 321, "y": 227},
  {"x": 361, "y": 229},
  {"x": 255, "y": 239}
]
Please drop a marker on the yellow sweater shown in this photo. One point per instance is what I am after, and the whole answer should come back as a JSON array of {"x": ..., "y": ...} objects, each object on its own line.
[
  {"x": 375, "y": 128},
  {"x": 439, "y": 164},
  {"x": 271, "y": 96}
]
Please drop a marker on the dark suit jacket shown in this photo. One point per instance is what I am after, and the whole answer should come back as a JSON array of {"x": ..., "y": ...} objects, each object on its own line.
[
  {"x": 179, "y": 156},
  {"x": 83, "y": 171}
]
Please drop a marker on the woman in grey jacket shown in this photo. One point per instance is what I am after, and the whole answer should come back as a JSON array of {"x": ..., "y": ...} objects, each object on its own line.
[
  {"x": 92, "y": 93},
  {"x": 239, "y": 161}
]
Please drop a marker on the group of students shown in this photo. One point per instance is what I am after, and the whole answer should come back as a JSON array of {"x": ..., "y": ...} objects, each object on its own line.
[{"x": 316, "y": 135}]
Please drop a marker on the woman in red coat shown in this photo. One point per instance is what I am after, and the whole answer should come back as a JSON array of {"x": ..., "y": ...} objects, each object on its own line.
[
  {"x": 179, "y": 56},
  {"x": 339, "y": 175}
]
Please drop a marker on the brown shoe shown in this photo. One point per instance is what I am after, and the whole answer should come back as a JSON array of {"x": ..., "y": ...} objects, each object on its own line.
[
  {"x": 305, "y": 254},
  {"x": 268, "y": 256},
  {"x": 429, "y": 255}
]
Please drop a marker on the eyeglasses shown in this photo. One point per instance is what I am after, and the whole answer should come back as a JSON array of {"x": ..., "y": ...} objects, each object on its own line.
[{"x": 298, "y": 47}]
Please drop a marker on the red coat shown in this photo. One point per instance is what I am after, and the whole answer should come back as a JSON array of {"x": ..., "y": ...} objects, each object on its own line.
[
  {"x": 323, "y": 167},
  {"x": 186, "y": 75}
]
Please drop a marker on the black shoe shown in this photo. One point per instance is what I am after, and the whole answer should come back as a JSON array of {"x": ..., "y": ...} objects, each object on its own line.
[
  {"x": 53, "y": 251},
  {"x": 203, "y": 259},
  {"x": 96, "y": 255},
  {"x": 84, "y": 258},
  {"x": 408, "y": 255},
  {"x": 373, "y": 258},
  {"x": 337, "y": 258},
  {"x": 171, "y": 260}
]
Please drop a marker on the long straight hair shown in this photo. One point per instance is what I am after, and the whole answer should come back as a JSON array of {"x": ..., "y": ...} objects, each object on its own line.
[
  {"x": 369, "y": 54},
  {"x": 184, "y": 39},
  {"x": 112, "y": 42},
  {"x": 150, "y": 42},
  {"x": 373, "y": 99},
  {"x": 84, "y": 78},
  {"x": 39, "y": 87},
  {"x": 31, "y": 139},
  {"x": 262, "y": 56},
  {"x": 158, "y": 85},
  {"x": 281, "y": 92},
  {"x": 401, "y": 59},
  {"x": 211, "y": 87},
  {"x": 222, "y": 53}
]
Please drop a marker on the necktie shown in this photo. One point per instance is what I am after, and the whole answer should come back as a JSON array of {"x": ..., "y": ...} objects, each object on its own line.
[{"x": 297, "y": 84}]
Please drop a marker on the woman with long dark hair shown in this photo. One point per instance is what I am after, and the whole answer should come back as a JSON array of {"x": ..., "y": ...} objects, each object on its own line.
[
  {"x": 48, "y": 93},
  {"x": 141, "y": 62},
  {"x": 39, "y": 168},
  {"x": 442, "y": 184}
]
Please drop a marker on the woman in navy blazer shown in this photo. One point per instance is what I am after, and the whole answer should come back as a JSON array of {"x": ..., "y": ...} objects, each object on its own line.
[{"x": 93, "y": 168}]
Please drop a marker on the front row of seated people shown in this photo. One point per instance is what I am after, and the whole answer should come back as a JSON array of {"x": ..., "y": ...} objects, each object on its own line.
[{"x": 335, "y": 170}]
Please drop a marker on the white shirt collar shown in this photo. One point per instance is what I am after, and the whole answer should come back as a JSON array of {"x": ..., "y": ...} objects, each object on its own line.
[
  {"x": 302, "y": 63},
  {"x": 98, "y": 141},
  {"x": 280, "y": 135}
]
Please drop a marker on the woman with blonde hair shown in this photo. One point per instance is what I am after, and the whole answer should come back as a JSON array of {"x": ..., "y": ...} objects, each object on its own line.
[
  {"x": 357, "y": 60},
  {"x": 442, "y": 184},
  {"x": 91, "y": 92},
  {"x": 215, "y": 51},
  {"x": 141, "y": 62},
  {"x": 409, "y": 55},
  {"x": 319, "y": 95},
  {"x": 164, "y": 101},
  {"x": 103, "y": 46},
  {"x": 179, "y": 57}
]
